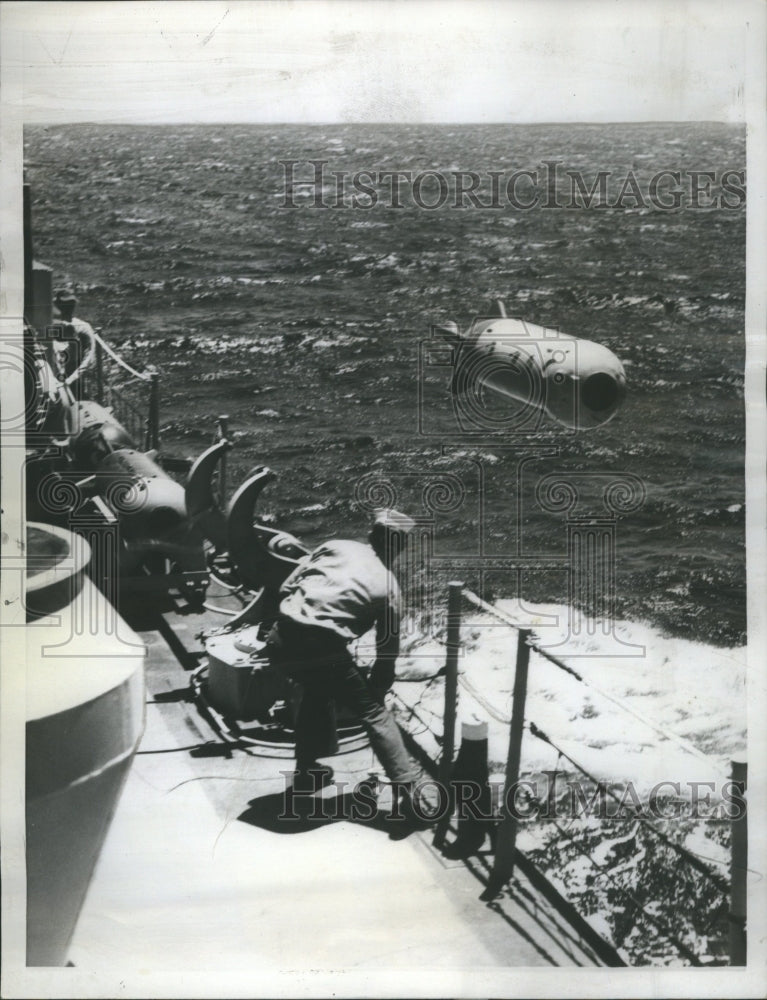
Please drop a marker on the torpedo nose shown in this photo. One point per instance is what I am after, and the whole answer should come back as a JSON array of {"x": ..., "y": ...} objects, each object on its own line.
[
  {"x": 601, "y": 396},
  {"x": 587, "y": 389},
  {"x": 601, "y": 392}
]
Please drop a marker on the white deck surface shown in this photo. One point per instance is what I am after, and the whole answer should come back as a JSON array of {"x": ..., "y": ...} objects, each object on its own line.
[{"x": 188, "y": 883}]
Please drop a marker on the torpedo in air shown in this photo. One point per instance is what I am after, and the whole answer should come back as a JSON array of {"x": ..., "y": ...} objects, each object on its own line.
[{"x": 577, "y": 383}]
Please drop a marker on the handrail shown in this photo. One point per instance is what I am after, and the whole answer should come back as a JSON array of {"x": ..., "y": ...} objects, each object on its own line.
[
  {"x": 661, "y": 730},
  {"x": 653, "y": 918},
  {"x": 144, "y": 376},
  {"x": 684, "y": 852},
  {"x": 504, "y": 850},
  {"x": 536, "y": 731},
  {"x": 146, "y": 419}
]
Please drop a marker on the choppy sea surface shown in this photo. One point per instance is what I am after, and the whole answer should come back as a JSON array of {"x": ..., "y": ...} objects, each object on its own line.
[{"x": 310, "y": 327}]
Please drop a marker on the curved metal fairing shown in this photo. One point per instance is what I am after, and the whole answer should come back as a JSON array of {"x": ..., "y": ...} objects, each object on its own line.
[
  {"x": 198, "y": 491},
  {"x": 263, "y": 557}
]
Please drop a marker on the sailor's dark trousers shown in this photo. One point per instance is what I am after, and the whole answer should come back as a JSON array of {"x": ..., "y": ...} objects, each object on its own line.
[{"x": 322, "y": 664}]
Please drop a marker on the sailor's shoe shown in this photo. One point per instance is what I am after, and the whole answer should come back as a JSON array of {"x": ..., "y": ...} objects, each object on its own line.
[{"x": 308, "y": 780}]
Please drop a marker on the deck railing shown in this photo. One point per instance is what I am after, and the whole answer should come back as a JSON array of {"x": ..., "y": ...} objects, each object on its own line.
[
  {"x": 506, "y": 854},
  {"x": 133, "y": 396}
]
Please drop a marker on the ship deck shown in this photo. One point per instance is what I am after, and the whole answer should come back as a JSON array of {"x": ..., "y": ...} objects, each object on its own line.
[{"x": 200, "y": 870}]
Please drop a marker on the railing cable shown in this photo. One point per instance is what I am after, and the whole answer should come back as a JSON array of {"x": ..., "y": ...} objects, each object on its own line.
[
  {"x": 618, "y": 702},
  {"x": 717, "y": 879},
  {"x": 656, "y": 921},
  {"x": 144, "y": 377}
]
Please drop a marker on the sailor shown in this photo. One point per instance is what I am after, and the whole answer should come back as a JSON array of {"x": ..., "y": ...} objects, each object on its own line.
[
  {"x": 73, "y": 361},
  {"x": 337, "y": 594}
]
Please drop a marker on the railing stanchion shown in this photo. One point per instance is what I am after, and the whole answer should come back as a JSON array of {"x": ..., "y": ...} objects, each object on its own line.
[
  {"x": 455, "y": 590},
  {"x": 506, "y": 836},
  {"x": 153, "y": 424},
  {"x": 739, "y": 864},
  {"x": 223, "y": 431},
  {"x": 99, "y": 374}
]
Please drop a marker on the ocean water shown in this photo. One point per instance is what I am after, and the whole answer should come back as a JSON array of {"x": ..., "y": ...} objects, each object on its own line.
[{"x": 310, "y": 327}]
